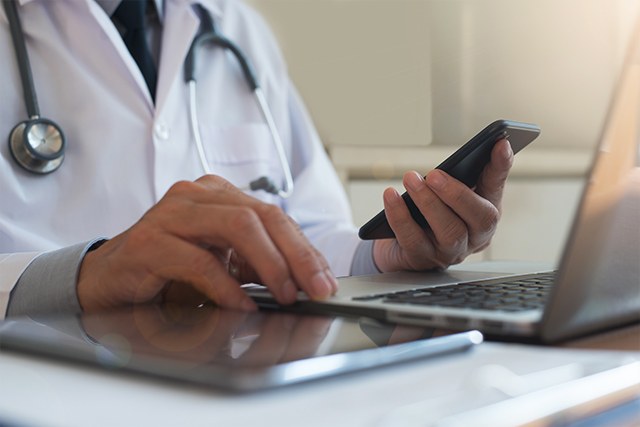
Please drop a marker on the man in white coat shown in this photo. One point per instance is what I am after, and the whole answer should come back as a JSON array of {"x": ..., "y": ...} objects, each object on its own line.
[{"x": 129, "y": 216}]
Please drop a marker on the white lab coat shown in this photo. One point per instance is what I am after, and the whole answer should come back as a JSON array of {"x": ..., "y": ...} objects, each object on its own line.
[{"x": 123, "y": 154}]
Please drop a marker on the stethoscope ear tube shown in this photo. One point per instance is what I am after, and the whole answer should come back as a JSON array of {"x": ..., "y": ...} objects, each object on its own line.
[
  {"x": 28, "y": 88},
  {"x": 209, "y": 34}
]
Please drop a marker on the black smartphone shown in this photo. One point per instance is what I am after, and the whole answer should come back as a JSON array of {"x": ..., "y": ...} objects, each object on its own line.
[{"x": 465, "y": 165}]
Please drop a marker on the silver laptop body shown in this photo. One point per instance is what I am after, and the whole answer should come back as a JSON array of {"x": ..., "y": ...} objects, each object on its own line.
[{"x": 597, "y": 284}]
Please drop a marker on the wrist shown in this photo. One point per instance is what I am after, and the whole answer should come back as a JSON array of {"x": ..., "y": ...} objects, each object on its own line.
[
  {"x": 389, "y": 256},
  {"x": 84, "y": 286},
  {"x": 382, "y": 256},
  {"x": 87, "y": 286}
]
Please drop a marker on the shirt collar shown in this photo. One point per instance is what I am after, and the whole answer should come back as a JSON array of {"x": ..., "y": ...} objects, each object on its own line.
[
  {"x": 106, "y": 5},
  {"x": 110, "y": 6}
]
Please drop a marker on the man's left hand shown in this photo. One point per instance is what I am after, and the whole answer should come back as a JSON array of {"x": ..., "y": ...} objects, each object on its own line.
[{"x": 462, "y": 220}]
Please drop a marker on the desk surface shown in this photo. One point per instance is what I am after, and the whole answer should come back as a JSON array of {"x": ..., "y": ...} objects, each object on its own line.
[{"x": 36, "y": 391}]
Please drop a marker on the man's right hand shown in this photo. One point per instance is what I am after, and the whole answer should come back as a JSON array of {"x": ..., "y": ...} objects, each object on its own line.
[{"x": 205, "y": 238}]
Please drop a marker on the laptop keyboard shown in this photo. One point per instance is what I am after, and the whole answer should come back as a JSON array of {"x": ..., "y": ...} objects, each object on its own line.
[{"x": 513, "y": 294}]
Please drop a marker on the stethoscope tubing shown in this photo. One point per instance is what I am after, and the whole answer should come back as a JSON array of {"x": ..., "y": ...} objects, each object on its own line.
[
  {"x": 39, "y": 161},
  {"x": 36, "y": 144},
  {"x": 28, "y": 88},
  {"x": 209, "y": 35},
  {"x": 195, "y": 129},
  {"x": 266, "y": 112}
]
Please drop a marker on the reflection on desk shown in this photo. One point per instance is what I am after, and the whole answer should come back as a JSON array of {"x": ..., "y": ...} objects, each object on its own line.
[
  {"x": 235, "y": 350},
  {"x": 71, "y": 395}
]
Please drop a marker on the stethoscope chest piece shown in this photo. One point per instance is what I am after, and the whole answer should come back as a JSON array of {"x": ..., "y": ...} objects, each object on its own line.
[{"x": 38, "y": 145}]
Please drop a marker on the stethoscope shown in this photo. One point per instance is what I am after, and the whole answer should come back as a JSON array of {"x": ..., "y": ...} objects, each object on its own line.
[{"x": 38, "y": 145}]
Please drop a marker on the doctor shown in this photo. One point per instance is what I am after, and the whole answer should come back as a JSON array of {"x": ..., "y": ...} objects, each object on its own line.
[{"x": 130, "y": 215}]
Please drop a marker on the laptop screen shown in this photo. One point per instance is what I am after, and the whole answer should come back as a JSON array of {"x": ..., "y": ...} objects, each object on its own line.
[{"x": 598, "y": 284}]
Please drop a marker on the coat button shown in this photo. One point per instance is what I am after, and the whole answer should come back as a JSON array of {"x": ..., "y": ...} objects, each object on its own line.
[{"x": 162, "y": 130}]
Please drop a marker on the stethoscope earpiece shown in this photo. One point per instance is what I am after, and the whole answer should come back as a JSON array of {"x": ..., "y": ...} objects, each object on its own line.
[{"x": 38, "y": 145}]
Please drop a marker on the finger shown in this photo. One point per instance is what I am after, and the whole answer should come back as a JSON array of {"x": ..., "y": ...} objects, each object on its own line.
[
  {"x": 307, "y": 336},
  {"x": 449, "y": 229},
  {"x": 478, "y": 214},
  {"x": 272, "y": 342},
  {"x": 252, "y": 325},
  {"x": 409, "y": 235},
  {"x": 310, "y": 270},
  {"x": 226, "y": 326},
  {"x": 494, "y": 176},
  {"x": 241, "y": 229},
  {"x": 182, "y": 294},
  {"x": 239, "y": 268},
  {"x": 177, "y": 260}
]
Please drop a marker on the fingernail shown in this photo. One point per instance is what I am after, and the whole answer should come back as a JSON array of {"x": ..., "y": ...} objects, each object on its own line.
[
  {"x": 248, "y": 305},
  {"x": 414, "y": 181},
  {"x": 321, "y": 286},
  {"x": 506, "y": 150},
  {"x": 436, "y": 180},
  {"x": 290, "y": 291},
  {"x": 333, "y": 280},
  {"x": 391, "y": 197}
]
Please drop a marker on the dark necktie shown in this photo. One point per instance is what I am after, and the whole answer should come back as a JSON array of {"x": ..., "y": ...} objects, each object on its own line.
[{"x": 131, "y": 14}]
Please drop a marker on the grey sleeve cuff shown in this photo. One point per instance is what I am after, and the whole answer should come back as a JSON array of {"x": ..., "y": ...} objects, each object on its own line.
[
  {"x": 363, "y": 263},
  {"x": 48, "y": 285}
]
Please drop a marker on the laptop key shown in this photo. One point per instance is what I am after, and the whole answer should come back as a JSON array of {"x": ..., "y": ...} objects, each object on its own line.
[
  {"x": 415, "y": 300},
  {"x": 473, "y": 305},
  {"x": 493, "y": 303},
  {"x": 459, "y": 301},
  {"x": 512, "y": 307},
  {"x": 456, "y": 294},
  {"x": 510, "y": 300},
  {"x": 407, "y": 294},
  {"x": 513, "y": 293},
  {"x": 534, "y": 306},
  {"x": 494, "y": 297},
  {"x": 366, "y": 298},
  {"x": 497, "y": 291},
  {"x": 477, "y": 292},
  {"x": 474, "y": 298},
  {"x": 443, "y": 288}
]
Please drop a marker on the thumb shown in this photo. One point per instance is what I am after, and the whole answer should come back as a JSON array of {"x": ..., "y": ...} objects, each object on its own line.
[{"x": 494, "y": 176}]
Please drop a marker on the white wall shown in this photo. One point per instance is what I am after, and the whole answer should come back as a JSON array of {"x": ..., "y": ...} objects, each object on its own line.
[
  {"x": 363, "y": 67},
  {"x": 409, "y": 72},
  {"x": 395, "y": 85}
]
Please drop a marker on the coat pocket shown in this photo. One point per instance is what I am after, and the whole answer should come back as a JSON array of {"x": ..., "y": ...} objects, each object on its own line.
[{"x": 243, "y": 153}]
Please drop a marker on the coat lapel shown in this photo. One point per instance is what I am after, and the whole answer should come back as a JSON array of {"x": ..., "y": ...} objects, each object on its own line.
[
  {"x": 180, "y": 27},
  {"x": 115, "y": 38}
]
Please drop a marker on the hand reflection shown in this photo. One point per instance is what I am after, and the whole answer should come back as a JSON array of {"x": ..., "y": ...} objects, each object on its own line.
[{"x": 201, "y": 335}]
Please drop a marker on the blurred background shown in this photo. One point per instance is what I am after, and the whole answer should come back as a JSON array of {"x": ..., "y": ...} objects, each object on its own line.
[{"x": 398, "y": 85}]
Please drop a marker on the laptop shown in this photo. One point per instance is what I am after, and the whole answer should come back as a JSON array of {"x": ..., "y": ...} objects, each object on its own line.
[{"x": 595, "y": 287}]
